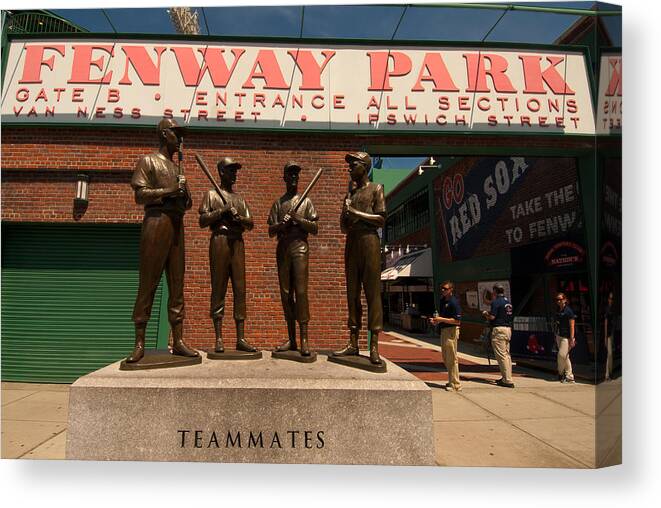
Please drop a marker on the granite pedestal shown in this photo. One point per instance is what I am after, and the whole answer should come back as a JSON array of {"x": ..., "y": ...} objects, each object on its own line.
[{"x": 263, "y": 411}]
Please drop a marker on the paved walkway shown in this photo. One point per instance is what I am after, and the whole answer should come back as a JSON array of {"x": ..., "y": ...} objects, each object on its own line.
[{"x": 540, "y": 423}]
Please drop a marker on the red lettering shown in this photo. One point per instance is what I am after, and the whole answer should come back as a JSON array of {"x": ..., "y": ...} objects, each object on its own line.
[
  {"x": 214, "y": 63},
  {"x": 83, "y": 63},
  {"x": 113, "y": 95},
  {"x": 483, "y": 104},
  {"x": 407, "y": 105},
  {"x": 269, "y": 71},
  {"x": 22, "y": 94},
  {"x": 437, "y": 72},
  {"x": 379, "y": 72},
  {"x": 259, "y": 98},
  {"x": 310, "y": 69},
  {"x": 148, "y": 71},
  {"x": 478, "y": 71},
  {"x": 201, "y": 98},
  {"x": 615, "y": 84},
  {"x": 463, "y": 103},
  {"x": 535, "y": 78},
  {"x": 77, "y": 95},
  {"x": 34, "y": 60},
  {"x": 337, "y": 102},
  {"x": 572, "y": 107},
  {"x": 318, "y": 102}
]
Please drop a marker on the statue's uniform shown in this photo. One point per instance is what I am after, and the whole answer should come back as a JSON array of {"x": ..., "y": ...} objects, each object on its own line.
[
  {"x": 227, "y": 256},
  {"x": 362, "y": 257},
  {"x": 292, "y": 256},
  {"x": 162, "y": 237}
]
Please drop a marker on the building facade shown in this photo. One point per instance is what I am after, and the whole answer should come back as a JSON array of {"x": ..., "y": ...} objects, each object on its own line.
[{"x": 81, "y": 104}]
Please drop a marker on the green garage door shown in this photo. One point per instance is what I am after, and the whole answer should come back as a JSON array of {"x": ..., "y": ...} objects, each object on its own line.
[{"x": 67, "y": 297}]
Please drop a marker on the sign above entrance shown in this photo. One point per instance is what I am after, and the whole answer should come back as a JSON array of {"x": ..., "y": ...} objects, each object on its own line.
[{"x": 283, "y": 86}]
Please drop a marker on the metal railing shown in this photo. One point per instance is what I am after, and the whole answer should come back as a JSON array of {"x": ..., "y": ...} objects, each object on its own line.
[{"x": 39, "y": 22}]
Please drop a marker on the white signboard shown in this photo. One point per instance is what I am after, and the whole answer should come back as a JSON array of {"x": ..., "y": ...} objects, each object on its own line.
[
  {"x": 329, "y": 87},
  {"x": 609, "y": 103}
]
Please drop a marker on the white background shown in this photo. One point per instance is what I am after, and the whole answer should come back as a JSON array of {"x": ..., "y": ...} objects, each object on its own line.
[{"x": 637, "y": 483}]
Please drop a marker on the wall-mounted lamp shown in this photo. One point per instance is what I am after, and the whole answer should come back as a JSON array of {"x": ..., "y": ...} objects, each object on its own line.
[
  {"x": 82, "y": 190},
  {"x": 432, "y": 165}
]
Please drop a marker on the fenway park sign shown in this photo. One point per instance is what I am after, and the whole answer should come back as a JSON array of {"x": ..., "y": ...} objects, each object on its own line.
[{"x": 274, "y": 86}]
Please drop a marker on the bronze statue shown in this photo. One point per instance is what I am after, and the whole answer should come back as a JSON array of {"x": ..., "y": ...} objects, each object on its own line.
[
  {"x": 291, "y": 219},
  {"x": 364, "y": 211},
  {"x": 227, "y": 215},
  {"x": 159, "y": 185}
]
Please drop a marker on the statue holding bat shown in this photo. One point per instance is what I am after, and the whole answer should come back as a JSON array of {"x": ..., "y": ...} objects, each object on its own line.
[
  {"x": 160, "y": 186},
  {"x": 227, "y": 215},
  {"x": 292, "y": 218}
]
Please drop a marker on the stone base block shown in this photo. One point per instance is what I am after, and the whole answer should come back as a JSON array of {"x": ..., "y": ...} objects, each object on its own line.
[{"x": 263, "y": 411}]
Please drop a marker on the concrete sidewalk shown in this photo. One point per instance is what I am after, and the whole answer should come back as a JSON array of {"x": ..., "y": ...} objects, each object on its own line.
[
  {"x": 34, "y": 420},
  {"x": 540, "y": 423}
]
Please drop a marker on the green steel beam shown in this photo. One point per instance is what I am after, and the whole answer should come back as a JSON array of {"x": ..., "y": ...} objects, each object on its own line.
[{"x": 526, "y": 8}]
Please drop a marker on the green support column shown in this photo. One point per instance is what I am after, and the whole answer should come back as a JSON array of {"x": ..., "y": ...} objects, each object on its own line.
[{"x": 589, "y": 181}]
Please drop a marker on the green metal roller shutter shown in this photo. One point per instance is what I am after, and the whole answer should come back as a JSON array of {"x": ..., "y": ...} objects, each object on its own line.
[{"x": 67, "y": 297}]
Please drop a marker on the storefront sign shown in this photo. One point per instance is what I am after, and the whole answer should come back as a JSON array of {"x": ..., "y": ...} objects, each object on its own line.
[
  {"x": 330, "y": 87},
  {"x": 564, "y": 255},
  {"x": 490, "y": 204},
  {"x": 609, "y": 103}
]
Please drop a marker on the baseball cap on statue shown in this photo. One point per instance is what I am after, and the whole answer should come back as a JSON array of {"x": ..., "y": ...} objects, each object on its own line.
[
  {"x": 170, "y": 123},
  {"x": 359, "y": 156},
  {"x": 226, "y": 162},
  {"x": 291, "y": 165}
]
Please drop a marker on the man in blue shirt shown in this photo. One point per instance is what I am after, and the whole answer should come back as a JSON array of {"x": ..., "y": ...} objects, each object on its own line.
[
  {"x": 565, "y": 337},
  {"x": 500, "y": 317},
  {"x": 449, "y": 321}
]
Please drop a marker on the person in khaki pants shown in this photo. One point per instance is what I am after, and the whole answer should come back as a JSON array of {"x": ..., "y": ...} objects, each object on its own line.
[
  {"x": 449, "y": 320},
  {"x": 565, "y": 338},
  {"x": 500, "y": 317}
]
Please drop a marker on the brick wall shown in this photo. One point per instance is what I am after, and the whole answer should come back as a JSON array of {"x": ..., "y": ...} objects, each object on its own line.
[{"x": 38, "y": 183}]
